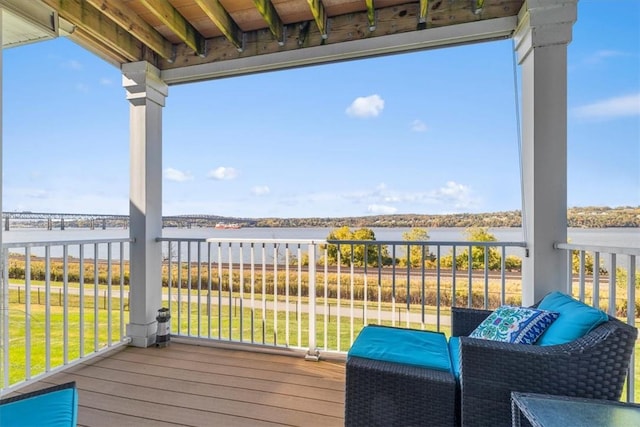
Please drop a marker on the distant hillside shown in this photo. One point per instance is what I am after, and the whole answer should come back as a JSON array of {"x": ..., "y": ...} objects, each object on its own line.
[{"x": 586, "y": 217}]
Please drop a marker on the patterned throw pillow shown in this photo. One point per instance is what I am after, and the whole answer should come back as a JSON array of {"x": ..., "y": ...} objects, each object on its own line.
[{"x": 518, "y": 325}]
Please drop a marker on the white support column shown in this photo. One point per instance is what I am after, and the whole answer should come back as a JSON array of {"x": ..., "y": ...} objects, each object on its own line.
[
  {"x": 544, "y": 30},
  {"x": 146, "y": 93},
  {"x": 4, "y": 299}
]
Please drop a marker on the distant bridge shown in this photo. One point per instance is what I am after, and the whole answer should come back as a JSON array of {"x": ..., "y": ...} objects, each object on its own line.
[{"x": 57, "y": 219}]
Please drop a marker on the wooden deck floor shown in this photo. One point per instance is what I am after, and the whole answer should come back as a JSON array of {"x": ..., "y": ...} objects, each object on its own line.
[{"x": 193, "y": 385}]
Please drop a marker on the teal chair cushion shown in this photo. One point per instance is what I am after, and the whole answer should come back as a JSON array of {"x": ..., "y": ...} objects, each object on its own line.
[
  {"x": 454, "y": 352},
  {"x": 576, "y": 319},
  {"x": 425, "y": 349},
  {"x": 55, "y": 406}
]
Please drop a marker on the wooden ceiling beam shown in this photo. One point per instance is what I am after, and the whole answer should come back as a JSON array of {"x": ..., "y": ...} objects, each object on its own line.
[
  {"x": 92, "y": 21},
  {"x": 270, "y": 15},
  {"x": 122, "y": 15},
  {"x": 319, "y": 15},
  {"x": 169, "y": 16},
  {"x": 371, "y": 14},
  {"x": 221, "y": 18}
]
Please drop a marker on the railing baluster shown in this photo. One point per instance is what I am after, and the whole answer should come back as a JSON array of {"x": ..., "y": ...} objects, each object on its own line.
[
  {"x": 275, "y": 294},
  {"x": 312, "y": 301},
  {"x": 170, "y": 280},
  {"x": 423, "y": 295},
  {"x": 503, "y": 274},
  {"x": 47, "y": 306},
  {"x": 351, "y": 292},
  {"x": 80, "y": 298},
  {"x": 470, "y": 277},
  {"x": 486, "y": 277},
  {"x": 339, "y": 299},
  {"x": 96, "y": 299},
  {"x": 122, "y": 291},
  {"x": 253, "y": 290},
  {"x": 199, "y": 273},
  {"x": 209, "y": 288},
  {"x": 220, "y": 280},
  {"x": 241, "y": 285},
  {"x": 65, "y": 299},
  {"x": 27, "y": 314},
  {"x": 393, "y": 286},
  {"x": 4, "y": 339},
  {"x": 408, "y": 296},
  {"x": 631, "y": 319},
  {"x": 581, "y": 277},
  {"x": 189, "y": 331},
  {"x": 264, "y": 293},
  {"x": 326, "y": 294},
  {"x": 438, "y": 287},
  {"x": 179, "y": 287},
  {"x": 596, "y": 279},
  {"x": 109, "y": 295},
  {"x": 612, "y": 286},
  {"x": 453, "y": 276},
  {"x": 230, "y": 291}
]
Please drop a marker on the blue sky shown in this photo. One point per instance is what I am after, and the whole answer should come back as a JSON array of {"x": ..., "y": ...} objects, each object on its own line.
[{"x": 426, "y": 133}]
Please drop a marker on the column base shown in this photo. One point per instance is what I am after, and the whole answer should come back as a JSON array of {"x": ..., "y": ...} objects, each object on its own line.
[{"x": 142, "y": 335}]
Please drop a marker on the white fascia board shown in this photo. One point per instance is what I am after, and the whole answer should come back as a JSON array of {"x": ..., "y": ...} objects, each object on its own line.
[{"x": 479, "y": 31}]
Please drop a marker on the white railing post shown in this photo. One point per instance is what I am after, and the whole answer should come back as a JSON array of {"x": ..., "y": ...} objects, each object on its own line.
[
  {"x": 631, "y": 319},
  {"x": 312, "y": 353},
  {"x": 4, "y": 316}
]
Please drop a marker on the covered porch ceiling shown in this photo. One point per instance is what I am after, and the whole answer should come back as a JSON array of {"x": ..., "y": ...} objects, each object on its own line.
[{"x": 191, "y": 40}]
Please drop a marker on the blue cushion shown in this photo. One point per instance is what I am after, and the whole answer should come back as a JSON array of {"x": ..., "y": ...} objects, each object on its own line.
[
  {"x": 576, "y": 319},
  {"x": 55, "y": 406},
  {"x": 425, "y": 349},
  {"x": 518, "y": 325},
  {"x": 454, "y": 352}
]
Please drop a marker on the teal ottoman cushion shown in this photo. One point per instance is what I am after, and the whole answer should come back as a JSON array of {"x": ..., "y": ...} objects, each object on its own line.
[
  {"x": 425, "y": 349},
  {"x": 576, "y": 319},
  {"x": 55, "y": 406}
]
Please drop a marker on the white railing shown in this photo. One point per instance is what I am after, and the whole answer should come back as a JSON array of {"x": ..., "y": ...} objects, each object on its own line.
[
  {"x": 61, "y": 303},
  {"x": 316, "y": 295},
  {"x": 308, "y": 295},
  {"x": 607, "y": 278}
]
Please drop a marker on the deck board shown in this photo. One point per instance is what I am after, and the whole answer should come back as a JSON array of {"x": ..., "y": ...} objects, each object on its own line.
[{"x": 192, "y": 385}]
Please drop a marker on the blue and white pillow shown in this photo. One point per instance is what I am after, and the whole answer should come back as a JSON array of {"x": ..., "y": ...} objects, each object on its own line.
[{"x": 520, "y": 325}]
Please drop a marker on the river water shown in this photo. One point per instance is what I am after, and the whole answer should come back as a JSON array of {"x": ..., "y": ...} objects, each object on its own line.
[
  {"x": 617, "y": 237},
  {"x": 611, "y": 237}
]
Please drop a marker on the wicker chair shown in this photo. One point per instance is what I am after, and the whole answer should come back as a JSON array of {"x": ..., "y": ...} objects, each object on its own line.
[{"x": 594, "y": 366}]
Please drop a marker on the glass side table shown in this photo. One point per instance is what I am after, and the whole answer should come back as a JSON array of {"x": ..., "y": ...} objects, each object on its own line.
[{"x": 542, "y": 410}]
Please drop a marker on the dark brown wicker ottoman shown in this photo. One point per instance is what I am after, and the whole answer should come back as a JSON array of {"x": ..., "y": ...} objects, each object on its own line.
[{"x": 391, "y": 394}]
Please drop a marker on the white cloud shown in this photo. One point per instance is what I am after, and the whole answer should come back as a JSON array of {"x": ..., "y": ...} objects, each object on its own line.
[
  {"x": 601, "y": 55},
  {"x": 381, "y": 209},
  {"x": 260, "y": 190},
  {"x": 418, "y": 126},
  {"x": 104, "y": 81},
  {"x": 366, "y": 106},
  {"x": 72, "y": 64},
  {"x": 620, "y": 106},
  {"x": 81, "y": 87},
  {"x": 171, "y": 174},
  {"x": 459, "y": 195},
  {"x": 223, "y": 173}
]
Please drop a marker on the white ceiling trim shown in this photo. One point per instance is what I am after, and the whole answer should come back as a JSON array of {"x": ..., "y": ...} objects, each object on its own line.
[{"x": 479, "y": 31}]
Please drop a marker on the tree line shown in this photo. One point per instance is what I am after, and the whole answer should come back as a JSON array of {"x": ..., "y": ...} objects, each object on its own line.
[{"x": 585, "y": 217}]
